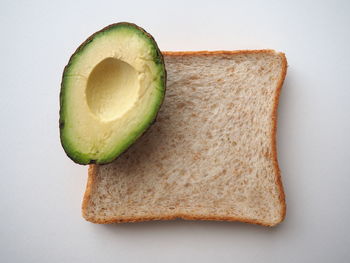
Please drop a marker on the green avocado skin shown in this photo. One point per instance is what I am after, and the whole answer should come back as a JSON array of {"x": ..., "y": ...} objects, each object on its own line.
[{"x": 85, "y": 158}]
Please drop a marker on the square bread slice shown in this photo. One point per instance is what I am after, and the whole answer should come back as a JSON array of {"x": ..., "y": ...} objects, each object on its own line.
[{"x": 211, "y": 154}]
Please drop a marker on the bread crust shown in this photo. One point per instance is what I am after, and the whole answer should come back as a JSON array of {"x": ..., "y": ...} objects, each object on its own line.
[
  {"x": 93, "y": 168},
  {"x": 88, "y": 191}
]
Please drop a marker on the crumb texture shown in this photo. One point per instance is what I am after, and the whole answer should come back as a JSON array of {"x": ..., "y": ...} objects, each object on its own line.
[{"x": 210, "y": 153}]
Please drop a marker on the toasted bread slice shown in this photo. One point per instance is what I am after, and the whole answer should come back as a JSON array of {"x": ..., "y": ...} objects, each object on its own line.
[{"x": 211, "y": 154}]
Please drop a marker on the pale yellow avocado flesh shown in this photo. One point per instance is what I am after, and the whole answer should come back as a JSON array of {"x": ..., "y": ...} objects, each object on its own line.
[{"x": 113, "y": 90}]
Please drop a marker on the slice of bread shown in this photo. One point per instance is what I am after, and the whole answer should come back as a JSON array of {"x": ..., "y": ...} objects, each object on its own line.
[{"x": 211, "y": 154}]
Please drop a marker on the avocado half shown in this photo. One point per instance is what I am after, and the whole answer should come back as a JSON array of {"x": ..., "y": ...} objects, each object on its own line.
[{"x": 111, "y": 91}]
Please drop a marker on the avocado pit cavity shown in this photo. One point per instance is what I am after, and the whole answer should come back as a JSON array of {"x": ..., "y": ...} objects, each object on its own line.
[{"x": 112, "y": 89}]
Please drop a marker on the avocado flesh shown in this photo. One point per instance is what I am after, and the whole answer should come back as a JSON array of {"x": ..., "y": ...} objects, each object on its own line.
[{"x": 111, "y": 91}]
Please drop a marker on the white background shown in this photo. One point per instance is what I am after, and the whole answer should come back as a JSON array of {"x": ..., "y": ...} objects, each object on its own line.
[{"x": 41, "y": 189}]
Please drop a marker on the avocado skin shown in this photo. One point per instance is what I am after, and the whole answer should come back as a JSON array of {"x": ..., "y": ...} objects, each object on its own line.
[{"x": 81, "y": 158}]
